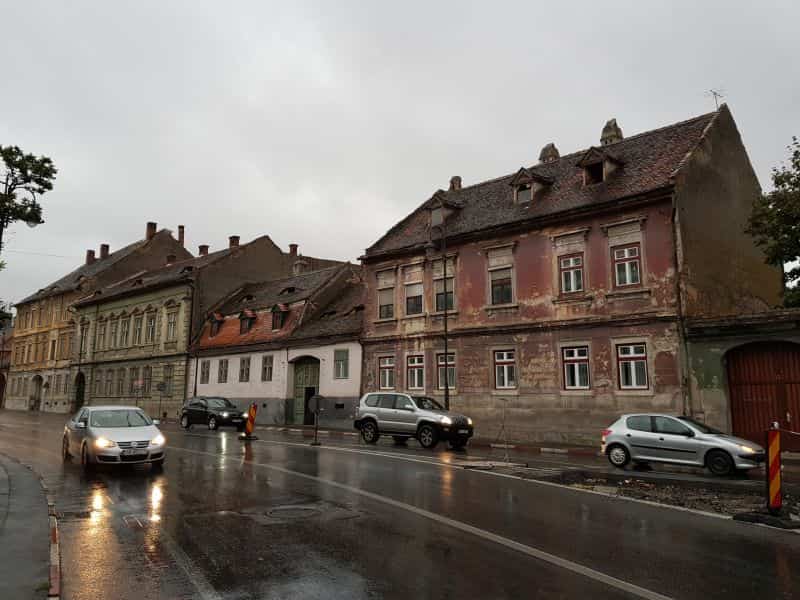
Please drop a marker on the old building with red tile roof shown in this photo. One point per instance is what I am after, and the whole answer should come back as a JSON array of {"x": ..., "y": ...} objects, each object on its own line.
[{"x": 567, "y": 281}]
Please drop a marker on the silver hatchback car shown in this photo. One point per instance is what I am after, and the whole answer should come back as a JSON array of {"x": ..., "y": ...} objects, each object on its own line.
[{"x": 645, "y": 438}]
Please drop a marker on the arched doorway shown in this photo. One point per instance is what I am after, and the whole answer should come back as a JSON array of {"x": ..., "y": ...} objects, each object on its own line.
[
  {"x": 764, "y": 387},
  {"x": 36, "y": 396},
  {"x": 80, "y": 391},
  {"x": 306, "y": 385}
]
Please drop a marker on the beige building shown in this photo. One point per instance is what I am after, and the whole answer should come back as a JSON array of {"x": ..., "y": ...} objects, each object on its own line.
[{"x": 41, "y": 375}]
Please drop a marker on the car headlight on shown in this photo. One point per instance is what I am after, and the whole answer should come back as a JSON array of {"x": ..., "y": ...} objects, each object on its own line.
[
  {"x": 747, "y": 449},
  {"x": 102, "y": 442},
  {"x": 159, "y": 440},
  {"x": 469, "y": 421},
  {"x": 446, "y": 421},
  {"x": 244, "y": 415},
  {"x": 224, "y": 415}
]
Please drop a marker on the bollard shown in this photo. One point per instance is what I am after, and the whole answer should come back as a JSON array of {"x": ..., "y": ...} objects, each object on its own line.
[
  {"x": 774, "y": 498},
  {"x": 250, "y": 425}
]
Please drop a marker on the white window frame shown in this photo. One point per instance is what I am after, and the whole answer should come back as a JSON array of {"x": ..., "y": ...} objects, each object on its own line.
[
  {"x": 341, "y": 366},
  {"x": 505, "y": 362},
  {"x": 386, "y": 366},
  {"x": 448, "y": 365},
  {"x": 628, "y": 355},
  {"x": 267, "y": 367},
  {"x": 244, "y": 369},
  {"x": 627, "y": 255},
  {"x": 415, "y": 372},
  {"x": 572, "y": 357},
  {"x": 571, "y": 269}
]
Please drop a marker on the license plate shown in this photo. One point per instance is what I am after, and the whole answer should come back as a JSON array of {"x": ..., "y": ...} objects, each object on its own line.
[
  {"x": 463, "y": 431},
  {"x": 236, "y": 420},
  {"x": 134, "y": 453}
]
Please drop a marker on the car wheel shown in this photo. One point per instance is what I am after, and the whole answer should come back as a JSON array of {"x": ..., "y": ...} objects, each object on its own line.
[
  {"x": 65, "y": 455},
  {"x": 719, "y": 462},
  {"x": 369, "y": 432},
  {"x": 399, "y": 440},
  {"x": 86, "y": 462},
  {"x": 618, "y": 456},
  {"x": 185, "y": 422},
  {"x": 427, "y": 436},
  {"x": 212, "y": 423}
]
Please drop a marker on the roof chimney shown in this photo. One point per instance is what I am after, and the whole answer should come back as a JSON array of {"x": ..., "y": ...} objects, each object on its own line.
[
  {"x": 89, "y": 257},
  {"x": 455, "y": 183},
  {"x": 180, "y": 234},
  {"x": 151, "y": 230},
  {"x": 171, "y": 258},
  {"x": 549, "y": 153},
  {"x": 233, "y": 241},
  {"x": 611, "y": 133},
  {"x": 202, "y": 249},
  {"x": 103, "y": 251},
  {"x": 292, "y": 249}
]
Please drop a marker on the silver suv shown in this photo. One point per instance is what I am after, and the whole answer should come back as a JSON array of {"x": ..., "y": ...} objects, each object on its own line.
[
  {"x": 645, "y": 438},
  {"x": 403, "y": 416}
]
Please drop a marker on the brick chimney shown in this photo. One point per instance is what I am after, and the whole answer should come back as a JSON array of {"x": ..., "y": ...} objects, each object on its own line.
[
  {"x": 103, "y": 251},
  {"x": 549, "y": 153},
  {"x": 151, "y": 230},
  {"x": 171, "y": 258},
  {"x": 233, "y": 241},
  {"x": 611, "y": 133},
  {"x": 455, "y": 182},
  {"x": 181, "y": 230},
  {"x": 89, "y": 257},
  {"x": 202, "y": 249},
  {"x": 292, "y": 249}
]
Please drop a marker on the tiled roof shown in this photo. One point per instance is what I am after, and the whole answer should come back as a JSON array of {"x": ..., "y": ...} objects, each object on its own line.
[
  {"x": 343, "y": 316},
  {"x": 647, "y": 162}
]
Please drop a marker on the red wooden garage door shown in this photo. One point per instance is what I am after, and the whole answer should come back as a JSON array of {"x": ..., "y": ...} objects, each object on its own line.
[{"x": 764, "y": 384}]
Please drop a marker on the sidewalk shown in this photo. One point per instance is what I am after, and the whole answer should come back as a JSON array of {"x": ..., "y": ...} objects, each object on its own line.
[{"x": 24, "y": 533}]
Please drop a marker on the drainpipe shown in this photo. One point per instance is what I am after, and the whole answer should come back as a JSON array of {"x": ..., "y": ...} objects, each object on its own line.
[{"x": 683, "y": 346}]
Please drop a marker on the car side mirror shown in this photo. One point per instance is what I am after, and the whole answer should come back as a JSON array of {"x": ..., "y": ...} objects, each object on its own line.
[
  {"x": 81, "y": 424},
  {"x": 156, "y": 421}
]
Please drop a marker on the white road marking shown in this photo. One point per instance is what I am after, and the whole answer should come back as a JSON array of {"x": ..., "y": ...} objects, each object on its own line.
[{"x": 461, "y": 526}]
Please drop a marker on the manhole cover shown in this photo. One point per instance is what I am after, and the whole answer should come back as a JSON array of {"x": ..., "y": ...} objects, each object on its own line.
[{"x": 293, "y": 512}]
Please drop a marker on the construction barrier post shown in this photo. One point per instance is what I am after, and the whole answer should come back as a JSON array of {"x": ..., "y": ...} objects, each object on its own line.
[
  {"x": 774, "y": 498},
  {"x": 250, "y": 425}
]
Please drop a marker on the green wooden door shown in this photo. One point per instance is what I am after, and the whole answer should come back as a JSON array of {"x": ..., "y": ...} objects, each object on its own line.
[{"x": 306, "y": 376}]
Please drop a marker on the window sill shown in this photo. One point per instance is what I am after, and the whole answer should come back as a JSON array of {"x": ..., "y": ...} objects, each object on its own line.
[
  {"x": 440, "y": 314},
  {"x": 625, "y": 293},
  {"x": 505, "y": 392},
  {"x": 574, "y": 299},
  {"x": 635, "y": 392},
  {"x": 501, "y": 307},
  {"x": 387, "y": 320},
  {"x": 583, "y": 392},
  {"x": 450, "y": 391},
  {"x": 411, "y": 317}
]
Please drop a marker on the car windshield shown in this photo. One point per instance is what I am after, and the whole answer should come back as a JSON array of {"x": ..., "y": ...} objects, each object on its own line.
[
  {"x": 426, "y": 403},
  {"x": 119, "y": 418},
  {"x": 219, "y": 403},
  {"x": 698, "y": 425}
]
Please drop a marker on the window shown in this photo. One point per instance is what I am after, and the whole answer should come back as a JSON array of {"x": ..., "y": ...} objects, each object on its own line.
[
  {"x": 57, "y": 389},
  {"x": 415, "y": 372},
  {"x": 386, "y": 283},
  {"x": 403, "y": 403},
  {"x": 571, "y": 273},
  {"x": 52, "y": 349},
  {"x": 639, "y": 423},
  {"x": 372, "y": 400},
  {"x": 98, "y": 383},
  {"x": 168, "y": 377},
  {"x": 504, "y": 369},
  {"x": 626, "y": 265},
  {"x": 100, "y": 342},
  {"x": 222, "y": 371},
  {"x": 386, "y": 372},
  {"x": 147, "y": 380},
  {"x": 112, "y": 342},
  {"x": 444, "y": 298},
  {"x": 246, "y": 324},
  {"x": 215, "y": 325},
  {"x": 670, "y": 426},
  {"x": 632, "y": 360},
  {"x": 121, "y": 382},
  {"x": 386, "y": 401},
  {"x": 414, "y": 299},
  {"x": 278, "y": 319},
  {"x": 501, "y": 261},
  {"x": 341, "y": 364},
  {"x": 593, "y": 173},
  {"x": 501, "y": 286},
  {"x": 244, "y": 369},
  {"x": 172, "y": 326},
  {"x": 266, "y": 367},
  {"x": 576, "y": 368},
  {"x": 524, "y": 193},
  {"x": 66, "y": 384},
  {"x": 109, "y": 382},
  {"x": 133, "y": 383},
  {"x": 150, "y": 332},
  {"x": 137, "y": 331},
  {"x": 124, "y": 329},
  {"x": 446, "y": 365},
  {"x": 205, "y": 371}
]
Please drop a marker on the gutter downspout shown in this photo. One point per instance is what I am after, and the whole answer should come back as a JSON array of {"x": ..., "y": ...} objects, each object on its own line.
[
  {"x": 190, "y": 342},
  {"x": 683, "y": 346}
]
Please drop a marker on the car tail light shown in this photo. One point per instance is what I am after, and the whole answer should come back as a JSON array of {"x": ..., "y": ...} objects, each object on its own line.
[{"x": 605, "y": 433}]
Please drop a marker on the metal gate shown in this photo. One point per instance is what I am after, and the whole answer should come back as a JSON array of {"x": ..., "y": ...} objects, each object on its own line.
[{"x": 764, "y": 385}]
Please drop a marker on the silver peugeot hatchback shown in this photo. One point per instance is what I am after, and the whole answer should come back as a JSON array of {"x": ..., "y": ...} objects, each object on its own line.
[{"x": 645, "y": 438}]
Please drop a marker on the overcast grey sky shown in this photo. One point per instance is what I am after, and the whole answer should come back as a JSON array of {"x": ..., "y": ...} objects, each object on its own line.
[{"x": 325, "y": 123}]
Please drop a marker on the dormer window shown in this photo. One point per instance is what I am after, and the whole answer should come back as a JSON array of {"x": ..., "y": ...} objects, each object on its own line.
[
  {"x": 278, "y": 316},
  {"x": 246, "y": 324},
  {"x": 593, "y": 173},
  {"x": 215, "y": 325},
  {"x": 288, "y": 290},
  {"x": 598, "y": 164},
  {"x": 524, "y": 193}
]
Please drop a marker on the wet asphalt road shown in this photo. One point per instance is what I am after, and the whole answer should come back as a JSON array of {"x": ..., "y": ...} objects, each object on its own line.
[{"x": 278, "y": 518}]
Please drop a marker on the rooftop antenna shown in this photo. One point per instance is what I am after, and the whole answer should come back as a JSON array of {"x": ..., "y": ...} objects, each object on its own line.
[{"x": 717, "y": 94}]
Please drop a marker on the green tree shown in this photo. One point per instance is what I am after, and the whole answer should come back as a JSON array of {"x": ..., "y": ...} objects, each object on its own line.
[
  {"x": 775, "y": 223},
  {"x": 26, "y": 177}
]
